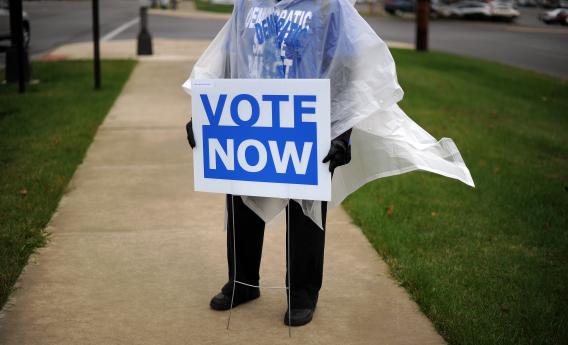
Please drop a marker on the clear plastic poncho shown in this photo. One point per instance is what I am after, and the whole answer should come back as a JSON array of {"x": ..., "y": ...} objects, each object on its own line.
[{"x": 328, "y": 39}]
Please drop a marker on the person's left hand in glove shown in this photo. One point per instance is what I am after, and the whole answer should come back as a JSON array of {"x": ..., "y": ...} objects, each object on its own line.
[{"x": 340, "y": 151}]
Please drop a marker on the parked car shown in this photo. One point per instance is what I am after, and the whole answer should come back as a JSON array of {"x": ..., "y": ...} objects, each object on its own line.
[
  {"x": 439, "y": 9},
  {"x": 503, "y": 10},
  {"x": 556, "y": 16},
  {"x": 527, "y": 3},
  {"x": 549, "y": 3},
  {"x": 407, "y": 6},
  {"x": 5, "y": 24},
  {"x": 470, "y": 9},
  {"x": 395, "y": 6},
  {"x": 475, "y": 9}
]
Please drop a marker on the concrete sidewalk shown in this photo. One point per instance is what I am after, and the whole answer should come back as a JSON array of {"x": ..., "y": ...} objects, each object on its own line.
[{"x": 136, "y": 255}]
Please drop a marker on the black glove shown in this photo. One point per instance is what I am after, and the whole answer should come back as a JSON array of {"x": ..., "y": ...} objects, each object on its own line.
[
  {"x": 340, "y": 151},
  {"x": 190, "y": 137}
]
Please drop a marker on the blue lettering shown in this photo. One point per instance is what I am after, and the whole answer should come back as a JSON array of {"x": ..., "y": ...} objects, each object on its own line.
[
  {"x": 275, "y": 99},
  {"x": 255, "y": 110},
  {"x": 299, "y": 109},
  {"x": 282, "y": 33},
  {"x": 259, "y": 35},
  {"x": 272, "y": 23},
  {"x": 213, "y": 117},
  {"x": 265, "y": 29}
]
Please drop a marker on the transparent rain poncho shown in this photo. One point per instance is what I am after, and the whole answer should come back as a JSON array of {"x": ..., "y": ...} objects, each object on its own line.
[{"x": 328, "y": 39}]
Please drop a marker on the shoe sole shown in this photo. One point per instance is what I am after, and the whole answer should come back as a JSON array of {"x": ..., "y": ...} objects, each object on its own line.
[
  {"x": 297, "y": 323},
  {"x": 224, "y": 307}
]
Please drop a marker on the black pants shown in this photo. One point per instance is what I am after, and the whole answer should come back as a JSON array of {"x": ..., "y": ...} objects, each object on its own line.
[{"x": 306, "y": 251}]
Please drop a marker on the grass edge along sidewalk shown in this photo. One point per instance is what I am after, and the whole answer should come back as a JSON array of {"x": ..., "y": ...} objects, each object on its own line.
[
  {"x": 44, "y": 135},
  {"x": 486, "y": 265}
]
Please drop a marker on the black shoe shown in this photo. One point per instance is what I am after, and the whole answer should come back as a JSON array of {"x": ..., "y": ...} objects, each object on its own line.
[
  {"x": 222, "y": 301},
  {"x": 298, "y": 317}
]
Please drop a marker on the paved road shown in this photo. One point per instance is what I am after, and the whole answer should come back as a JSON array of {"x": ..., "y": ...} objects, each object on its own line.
[
  {"x": 527, "y": 44},
  {"x": 539, "y": 48},
  {"x": 54, "y": 23}
]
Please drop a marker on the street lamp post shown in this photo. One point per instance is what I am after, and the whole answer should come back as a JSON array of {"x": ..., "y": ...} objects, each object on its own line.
[
  {"x": 96, "y": 47},
  {"x": 17, "y": 59},
  {"x": 422, "y": 14}
]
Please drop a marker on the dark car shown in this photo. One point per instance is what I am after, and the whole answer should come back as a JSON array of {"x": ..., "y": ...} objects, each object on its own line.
[
  {"x": 395, "y": 6},
  {"x": 409, "y": 6},
  {"x": 5, "y": 24}
]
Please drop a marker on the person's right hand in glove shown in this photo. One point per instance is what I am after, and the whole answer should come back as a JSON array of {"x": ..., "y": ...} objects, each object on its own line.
[{"x": 190, "y": 137}]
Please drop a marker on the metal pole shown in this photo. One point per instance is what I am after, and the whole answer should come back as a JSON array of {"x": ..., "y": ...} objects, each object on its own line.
[
  {"x": 234, "y": 258},
  {"x": 422, "y": 14},
  {"x": 288, "y": 270},
  {"x": 96, "y": 46},
  {"x": 144, "y": 37},
  {"x": 17, "y": 44}
]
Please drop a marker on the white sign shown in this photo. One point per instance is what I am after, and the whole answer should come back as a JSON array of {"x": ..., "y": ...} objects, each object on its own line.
[{"x": 262, "y": 137}]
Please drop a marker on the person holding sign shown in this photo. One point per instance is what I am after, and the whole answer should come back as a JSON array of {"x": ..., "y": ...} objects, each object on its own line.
[
  {"x": 284, "y": 154},
  {"x": 316, "y": 39}
]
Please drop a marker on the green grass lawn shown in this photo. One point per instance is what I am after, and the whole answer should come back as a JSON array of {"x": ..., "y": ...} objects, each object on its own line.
[
  {"x": 206, "y": 5},
  {"x": 488, "y": 265},
  {"x": 43, "y": 137}
]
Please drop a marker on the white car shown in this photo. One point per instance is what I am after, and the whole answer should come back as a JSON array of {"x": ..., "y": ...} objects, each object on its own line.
[
  {"x": 558, "y": 15},
  {"x": 496, "y": 9},
  {"x": 470, "y": 9},
  {"x": 503, "y": 10}
]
